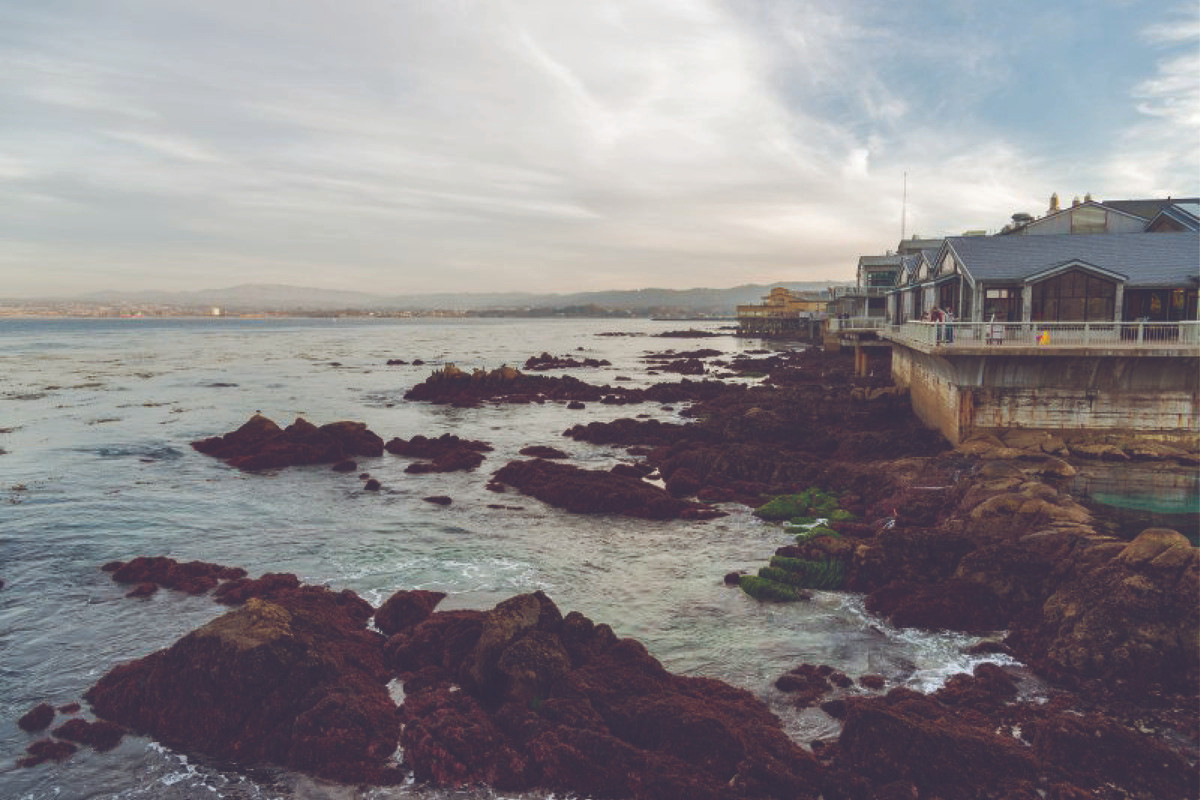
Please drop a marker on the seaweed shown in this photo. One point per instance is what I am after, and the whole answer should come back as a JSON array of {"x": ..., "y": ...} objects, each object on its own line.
[
  {"x": 763, "y": 589},
  {"x": 784, "y": 506},
  {"x": 826, "y": 573},
  {"x": 811, "y": 503},
  {"x": 808, "y": 534}
]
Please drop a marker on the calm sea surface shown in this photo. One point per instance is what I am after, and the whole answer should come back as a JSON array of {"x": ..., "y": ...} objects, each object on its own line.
[{"x": 95, "y": 420}]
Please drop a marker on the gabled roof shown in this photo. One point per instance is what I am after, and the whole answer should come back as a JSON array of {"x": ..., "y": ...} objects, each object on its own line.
[
  {"x": 1149, "y": 208},
  {"x": 1147, "y": 259},
  {"x": 1186, "y": 215}
]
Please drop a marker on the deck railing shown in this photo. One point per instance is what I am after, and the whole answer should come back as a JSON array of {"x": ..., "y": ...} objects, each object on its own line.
[
  {"x": 857, "y": 323},
  {"x": 1047, "y": 334}
]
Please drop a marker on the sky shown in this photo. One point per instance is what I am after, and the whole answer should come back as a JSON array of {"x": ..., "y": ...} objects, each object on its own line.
[{"x": 404, "y": 147}]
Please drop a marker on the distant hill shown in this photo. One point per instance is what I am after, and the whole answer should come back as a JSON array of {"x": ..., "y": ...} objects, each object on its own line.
[{"x": 277, "y": 297}]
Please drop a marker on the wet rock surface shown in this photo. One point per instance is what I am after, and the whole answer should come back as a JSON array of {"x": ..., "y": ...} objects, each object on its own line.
[
  {"x": 261, "y": 444},
  {"x": 452, "y": 386},
  {"x": 584, "y": 491},
  {"x": 447, "y": 453},
  {"x": 973, "y": 739},
  {"x": 522, "y": 697},
  {"x": 292, "y": 677},
  {"x": 546, "y": 361},
  {"x": 151, "y": 572}
]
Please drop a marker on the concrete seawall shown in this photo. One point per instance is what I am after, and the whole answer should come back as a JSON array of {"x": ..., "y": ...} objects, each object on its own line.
[{"x": 1152, "y": 396}]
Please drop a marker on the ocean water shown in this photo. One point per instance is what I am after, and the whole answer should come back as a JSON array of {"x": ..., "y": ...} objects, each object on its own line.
[{"x": 95, "y": 421}]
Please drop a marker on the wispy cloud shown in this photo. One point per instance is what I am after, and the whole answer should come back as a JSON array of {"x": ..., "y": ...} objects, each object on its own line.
[{"x": 528, "y": 144}]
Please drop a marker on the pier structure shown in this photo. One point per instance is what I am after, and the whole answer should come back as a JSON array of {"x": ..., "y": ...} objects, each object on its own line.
[
  {"x": 1132, "y": 378},
  {"x": 1084, "y": 319},
  {"x": 782, "y": 314}
]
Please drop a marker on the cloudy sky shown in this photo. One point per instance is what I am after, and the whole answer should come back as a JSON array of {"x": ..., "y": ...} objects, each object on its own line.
[{"x": 409, "y": 146}]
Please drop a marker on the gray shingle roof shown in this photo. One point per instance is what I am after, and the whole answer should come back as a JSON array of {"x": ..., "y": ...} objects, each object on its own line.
[
  {"x": 1146, "y": 259},
  {"x": 1149, "y": 208}
]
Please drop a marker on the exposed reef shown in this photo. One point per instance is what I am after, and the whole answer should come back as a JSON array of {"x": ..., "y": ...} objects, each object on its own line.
[
  {"x": 586, "y": 491},
  {"x": 546, "y": 361},
  {"x": 261, "y": 444},
  {"x": 292, "y": 677},
  {"x": 447, "y": 453}
]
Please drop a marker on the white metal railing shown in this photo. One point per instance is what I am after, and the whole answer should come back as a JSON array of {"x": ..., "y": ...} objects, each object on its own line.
[
  {"x": 859, "y": 291},
  {"x": 1048, "y": 334},
  {"x": 857, "y": 323}
]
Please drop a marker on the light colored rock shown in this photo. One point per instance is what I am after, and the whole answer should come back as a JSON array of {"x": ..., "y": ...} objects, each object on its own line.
[
  {"x": 1151, "y": 543},
  {"x": 1099, "y": 450}
]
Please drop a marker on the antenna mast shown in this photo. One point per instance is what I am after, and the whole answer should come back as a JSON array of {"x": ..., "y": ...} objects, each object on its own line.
[{"x": 904, "y": 209}]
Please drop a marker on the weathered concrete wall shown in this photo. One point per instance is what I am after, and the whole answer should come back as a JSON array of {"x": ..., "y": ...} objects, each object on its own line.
[{"x": 1156, "y": 396}]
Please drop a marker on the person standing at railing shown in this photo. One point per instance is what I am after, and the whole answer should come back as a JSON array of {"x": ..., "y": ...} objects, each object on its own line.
[
  {"x": 938, "y": 318},
  {"x": 948, "y": 315}
]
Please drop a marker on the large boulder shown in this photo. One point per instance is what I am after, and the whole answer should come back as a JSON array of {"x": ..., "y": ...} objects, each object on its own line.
[
  {"x": 405, "y": 609},
  {"x": 1130, "y": 616},
  {"x": 522, "y": 698},
  {"x": 295, "y": 681}
]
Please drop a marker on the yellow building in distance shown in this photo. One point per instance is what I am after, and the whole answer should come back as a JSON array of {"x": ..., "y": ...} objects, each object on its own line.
[{"x": 781, "y": 313}]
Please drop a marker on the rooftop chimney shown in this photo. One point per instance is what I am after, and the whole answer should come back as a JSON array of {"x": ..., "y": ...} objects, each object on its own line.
[{"x": 1053, "y": 203}]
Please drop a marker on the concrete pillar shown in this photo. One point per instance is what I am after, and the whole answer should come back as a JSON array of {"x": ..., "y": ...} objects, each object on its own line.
[
  {"x": 1119, "y": 303},
  {"x": 977, "y": 305},
  {"x": 1026, "y": 302}
]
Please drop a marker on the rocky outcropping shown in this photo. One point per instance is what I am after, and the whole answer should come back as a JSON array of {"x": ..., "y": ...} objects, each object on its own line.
[
  {"x": 448, "y": 453},
  {"x": 971, "y": 740},
  {"x": 294, "y": 680},
  {"x": 1129, "y": 614},
  {"x": 451, "y": 386},
  {"x": 193, "y": 577},
  {"x": 585, "y": 491},
  {"x": 521, "y": 697},
  {"x": 546, "y": 361},
  {"x": 261, "y": 444}
]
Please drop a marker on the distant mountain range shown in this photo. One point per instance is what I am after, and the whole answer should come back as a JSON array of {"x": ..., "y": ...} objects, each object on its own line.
[{"x": 276, "y": 297}]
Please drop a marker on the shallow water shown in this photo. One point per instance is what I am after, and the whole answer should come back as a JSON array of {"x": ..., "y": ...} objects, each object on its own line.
[
  {"x": 1132, "y": 497},
  {"x": 96, "y": 416}
]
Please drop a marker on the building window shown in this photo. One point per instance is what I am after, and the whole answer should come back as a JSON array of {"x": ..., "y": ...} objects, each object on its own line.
[
  {"x": 1087, "y": 219},
  {"x": 1074, "y": 296},
  {"x": 1001, "y": 305}
]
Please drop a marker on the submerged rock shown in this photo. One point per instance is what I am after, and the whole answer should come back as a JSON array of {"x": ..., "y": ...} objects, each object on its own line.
[
  {"x": 45, "y": 750},
  {"x": 150, "y": 572}
]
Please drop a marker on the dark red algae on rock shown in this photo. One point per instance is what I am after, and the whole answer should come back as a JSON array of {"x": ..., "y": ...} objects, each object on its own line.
[
  {"x": 522, "y": 698},
  {"x": 295, "y": 680},
  {"x": 405, "y": 609},
  {"x": 261, "y": 444},
  {"x": 37, "y": 718},
  {"x": 45, "y": 750},
  {"x": 583, "y": 491},
  {"x": 193, "y": 577},
  {"x": 100, "y": 735}
]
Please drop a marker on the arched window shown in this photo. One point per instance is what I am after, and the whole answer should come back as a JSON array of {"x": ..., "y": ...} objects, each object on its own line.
[{"x": 1074, "y": 296}]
